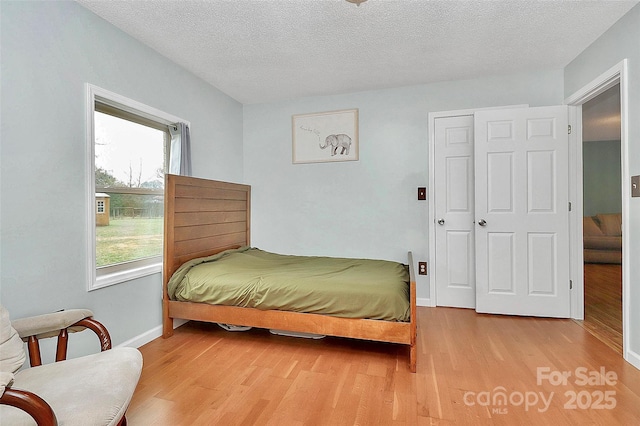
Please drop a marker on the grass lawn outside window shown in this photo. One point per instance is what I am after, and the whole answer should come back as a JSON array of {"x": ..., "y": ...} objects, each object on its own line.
[{"x": 127, "y": 239}]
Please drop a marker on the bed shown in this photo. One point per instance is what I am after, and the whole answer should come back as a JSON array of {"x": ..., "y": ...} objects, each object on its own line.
[{"x": 208, "y": 219}]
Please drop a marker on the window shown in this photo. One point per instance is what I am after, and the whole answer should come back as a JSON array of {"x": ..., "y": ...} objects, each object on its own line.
[{"x": 129, "y": 146}]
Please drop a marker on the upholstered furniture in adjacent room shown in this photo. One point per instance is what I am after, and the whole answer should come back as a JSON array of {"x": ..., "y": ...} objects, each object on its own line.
[
  {"x": 603, "y": 238},
  {"x": 90, "y": 390}
]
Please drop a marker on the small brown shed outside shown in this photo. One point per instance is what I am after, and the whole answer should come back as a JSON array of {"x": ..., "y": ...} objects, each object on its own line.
[{"x": 102, "y": 209}]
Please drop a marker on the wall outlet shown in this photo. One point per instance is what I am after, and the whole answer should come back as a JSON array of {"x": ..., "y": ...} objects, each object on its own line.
[{"x": 422, "y": 268}]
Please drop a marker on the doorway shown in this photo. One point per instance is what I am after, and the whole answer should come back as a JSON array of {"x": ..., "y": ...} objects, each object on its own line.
[
  {"x": 617, "y": 75},
  {"x": 602, "y": 222}
]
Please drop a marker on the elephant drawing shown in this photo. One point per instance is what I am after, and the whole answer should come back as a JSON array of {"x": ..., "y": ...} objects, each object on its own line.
[{"x": 337, "y": 141}]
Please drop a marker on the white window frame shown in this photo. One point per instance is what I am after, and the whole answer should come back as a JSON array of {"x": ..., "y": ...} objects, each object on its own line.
[
  {"x": 100, "y": 207},
  {"x": 145, "y": 266}
]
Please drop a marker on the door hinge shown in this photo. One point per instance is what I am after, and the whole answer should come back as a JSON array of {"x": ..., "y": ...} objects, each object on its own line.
[
  {"x": 569, "y": 129},
  {"x": 569, "y": 205},
  {"x": 570, "y": 284}
]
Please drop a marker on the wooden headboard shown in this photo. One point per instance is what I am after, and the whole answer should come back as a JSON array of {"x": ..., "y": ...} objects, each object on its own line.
[{"x": 203, "y": 217}]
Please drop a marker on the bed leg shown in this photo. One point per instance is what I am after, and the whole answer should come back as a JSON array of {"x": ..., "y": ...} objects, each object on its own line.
[
  {"x": 414, "y": 315},
  {"x": 412, "y": 358},
  {"x": 167, "y": 321},
  {"x": 167, "y": 328}
]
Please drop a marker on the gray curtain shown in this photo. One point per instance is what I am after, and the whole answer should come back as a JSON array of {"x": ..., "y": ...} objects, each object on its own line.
[{"x": 180, "y": 155}]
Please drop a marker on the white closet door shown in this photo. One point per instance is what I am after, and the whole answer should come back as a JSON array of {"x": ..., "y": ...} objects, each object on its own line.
[
  {"x": 521, "y": 211},
  {"x": 455, "y": 265}
]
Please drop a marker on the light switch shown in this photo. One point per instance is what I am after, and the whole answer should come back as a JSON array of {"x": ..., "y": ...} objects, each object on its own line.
[
  {"x": 422, "y": 193},
  {"x": 635, "y": 186}
]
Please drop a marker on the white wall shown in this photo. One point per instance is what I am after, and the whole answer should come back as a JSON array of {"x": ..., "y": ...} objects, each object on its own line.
[
  {"x": 49, "y": 51},
  {"x": 367, "y": 208},
  {"x": 621, "y": 41}
]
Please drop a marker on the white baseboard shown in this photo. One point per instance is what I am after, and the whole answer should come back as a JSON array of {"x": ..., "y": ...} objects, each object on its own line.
[
  {"x": 147, "y": 336},
  {"x": 633, "y": 358},
  {"x": 423, "y": 301}
]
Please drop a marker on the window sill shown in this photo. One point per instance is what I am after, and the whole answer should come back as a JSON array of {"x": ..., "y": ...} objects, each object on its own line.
[{"x": 128, "y": 275}]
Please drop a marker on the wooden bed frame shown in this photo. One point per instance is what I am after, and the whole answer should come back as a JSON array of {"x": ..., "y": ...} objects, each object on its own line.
[{"x": 204, "y": 217}]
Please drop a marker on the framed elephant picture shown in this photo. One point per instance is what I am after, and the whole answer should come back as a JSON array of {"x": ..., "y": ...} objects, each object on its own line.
[{"x": 325, "y": 136}]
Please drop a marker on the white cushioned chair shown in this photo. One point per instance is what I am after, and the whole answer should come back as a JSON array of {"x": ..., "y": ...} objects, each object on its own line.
[{"x": 90, "y": 390}]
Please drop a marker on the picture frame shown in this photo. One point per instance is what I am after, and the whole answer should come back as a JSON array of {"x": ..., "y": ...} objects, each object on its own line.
[{"x": 329, "y": 136}]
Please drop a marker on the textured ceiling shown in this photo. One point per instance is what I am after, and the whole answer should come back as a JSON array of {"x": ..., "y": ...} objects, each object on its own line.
[{"x": 267, "y": 50}]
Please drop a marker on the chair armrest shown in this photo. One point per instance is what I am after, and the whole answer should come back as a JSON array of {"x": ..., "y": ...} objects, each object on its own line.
[
  {"x": 49, "y": 325},
  {"x": 97, "y": 327},
  {"x": 58, "y": 324},
  {"x": 32, "y": 404}
]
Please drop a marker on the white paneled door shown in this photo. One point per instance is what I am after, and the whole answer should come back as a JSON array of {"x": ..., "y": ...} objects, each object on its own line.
[
  {"x": 501, "y": 211},
  {"x": 522, "y": 211},
  {"x": 455, "y": 266}
]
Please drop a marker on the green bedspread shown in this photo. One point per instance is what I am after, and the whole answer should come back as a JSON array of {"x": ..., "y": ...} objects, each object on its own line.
[{"x": 249, "y": 277}]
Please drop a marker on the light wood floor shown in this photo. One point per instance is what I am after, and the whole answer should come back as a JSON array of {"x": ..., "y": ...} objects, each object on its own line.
[
  {"x": 603, "y": 303},
  {"x": 204, "y": 375}
]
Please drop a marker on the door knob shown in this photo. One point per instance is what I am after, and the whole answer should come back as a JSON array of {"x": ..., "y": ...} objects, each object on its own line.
[
  {"x": 482, "y": 222},
  {"x": 441, "y": 221}
]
